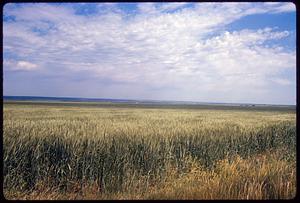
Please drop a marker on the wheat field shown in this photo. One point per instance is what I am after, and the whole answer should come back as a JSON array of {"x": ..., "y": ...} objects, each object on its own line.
[{"x": 58, "y": 151}]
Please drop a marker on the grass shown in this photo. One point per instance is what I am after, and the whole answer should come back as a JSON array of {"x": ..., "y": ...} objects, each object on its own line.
[{"x": 90, "y": 152}]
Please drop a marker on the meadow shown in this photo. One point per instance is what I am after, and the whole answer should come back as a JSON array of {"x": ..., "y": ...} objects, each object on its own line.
[{"x": 118, "y": 151}]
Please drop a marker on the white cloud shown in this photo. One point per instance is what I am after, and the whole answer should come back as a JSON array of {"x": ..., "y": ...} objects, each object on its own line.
[
  {"x": 153, "y": 49},
  {"x": 147, "y": 8},
  {"x": 282, "y": 81},
  {"x": 156, "y": 8},
  {"x": 26, "y": 65},
  {"x": 172, "y": 6},
  {"x": 278, "y": 7},
  {"x": 19, "y": 65}
]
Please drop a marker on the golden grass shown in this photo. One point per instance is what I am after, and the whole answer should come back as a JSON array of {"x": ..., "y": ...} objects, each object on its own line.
[
  {"x": 60, "y": 152},
  {"x": 259, "y": 177}
]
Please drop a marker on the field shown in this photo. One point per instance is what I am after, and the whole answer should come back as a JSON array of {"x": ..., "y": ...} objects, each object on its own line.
[{"x": 118, "y": 151}]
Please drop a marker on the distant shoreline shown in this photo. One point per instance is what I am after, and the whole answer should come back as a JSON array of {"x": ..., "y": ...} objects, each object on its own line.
[
  {"x": 144, "y": 105},
  {"x": 131, "y": 101}
]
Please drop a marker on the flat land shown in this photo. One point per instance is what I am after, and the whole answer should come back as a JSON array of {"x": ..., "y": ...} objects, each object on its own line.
[{"x": 90, "y": 150}]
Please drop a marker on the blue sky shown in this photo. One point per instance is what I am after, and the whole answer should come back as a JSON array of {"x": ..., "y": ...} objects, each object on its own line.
[{"x": 209, "y": 52}]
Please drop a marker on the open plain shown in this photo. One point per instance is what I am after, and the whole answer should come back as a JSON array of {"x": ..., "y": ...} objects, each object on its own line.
[{"x": 64, "y": 150}]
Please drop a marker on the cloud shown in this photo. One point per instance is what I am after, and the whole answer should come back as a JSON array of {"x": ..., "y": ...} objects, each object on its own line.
[
  {"x": 19, "y": 65},
  {"x": 172, "y": 6},
  {"x": 277, "y": 7},
  {"x": 171, "y": 54},
  {"x": 156, "y": 8},
  {"x": 147, "y": 8},
  {"x": 282, "y": 81}
]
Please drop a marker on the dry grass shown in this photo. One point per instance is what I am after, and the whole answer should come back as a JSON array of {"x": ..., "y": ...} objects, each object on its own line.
[{"x": 59, "y": 152}]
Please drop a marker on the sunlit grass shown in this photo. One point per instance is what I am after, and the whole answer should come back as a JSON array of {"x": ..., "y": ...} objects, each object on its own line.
[{"x": 60, "y": 152}]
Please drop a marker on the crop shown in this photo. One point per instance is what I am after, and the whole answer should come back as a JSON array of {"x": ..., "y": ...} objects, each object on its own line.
[{"x": 88, "y": 152}]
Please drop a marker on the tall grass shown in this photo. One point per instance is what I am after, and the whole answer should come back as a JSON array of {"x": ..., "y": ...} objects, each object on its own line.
[{"x": 133, "y": 151}]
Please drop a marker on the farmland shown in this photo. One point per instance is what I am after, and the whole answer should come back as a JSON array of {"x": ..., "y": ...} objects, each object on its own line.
[{"x": 118, "y": 151}]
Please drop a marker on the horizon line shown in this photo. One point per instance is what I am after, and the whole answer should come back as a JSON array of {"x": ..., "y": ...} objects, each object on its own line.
[{"x": 154, "y": 100}]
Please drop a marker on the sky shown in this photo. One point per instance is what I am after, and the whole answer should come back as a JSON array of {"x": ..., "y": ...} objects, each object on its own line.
[{"x": 207, "y": 52}]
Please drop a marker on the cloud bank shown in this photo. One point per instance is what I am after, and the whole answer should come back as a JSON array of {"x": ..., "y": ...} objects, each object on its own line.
[{"x": 167, "y": 51}]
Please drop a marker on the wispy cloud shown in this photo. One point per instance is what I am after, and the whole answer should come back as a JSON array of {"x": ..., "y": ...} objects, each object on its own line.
[
  {"x": 19, "y": 65},
  {"x": 161, "y": 47},
  {"x": 282, "y": 81}
]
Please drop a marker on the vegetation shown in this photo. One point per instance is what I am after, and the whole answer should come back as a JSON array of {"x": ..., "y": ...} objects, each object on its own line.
[{"x": 91, "y": 152}]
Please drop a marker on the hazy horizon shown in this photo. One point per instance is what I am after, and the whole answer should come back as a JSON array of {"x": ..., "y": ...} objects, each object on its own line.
[
  {"x": 155, "y": 100},
  {"x": 193, "y": 52}
]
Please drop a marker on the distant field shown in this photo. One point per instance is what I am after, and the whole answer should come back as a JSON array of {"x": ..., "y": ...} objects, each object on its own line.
[
  {"x": 92, "y": 150},
  {"x": 158, "y": 105}
]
